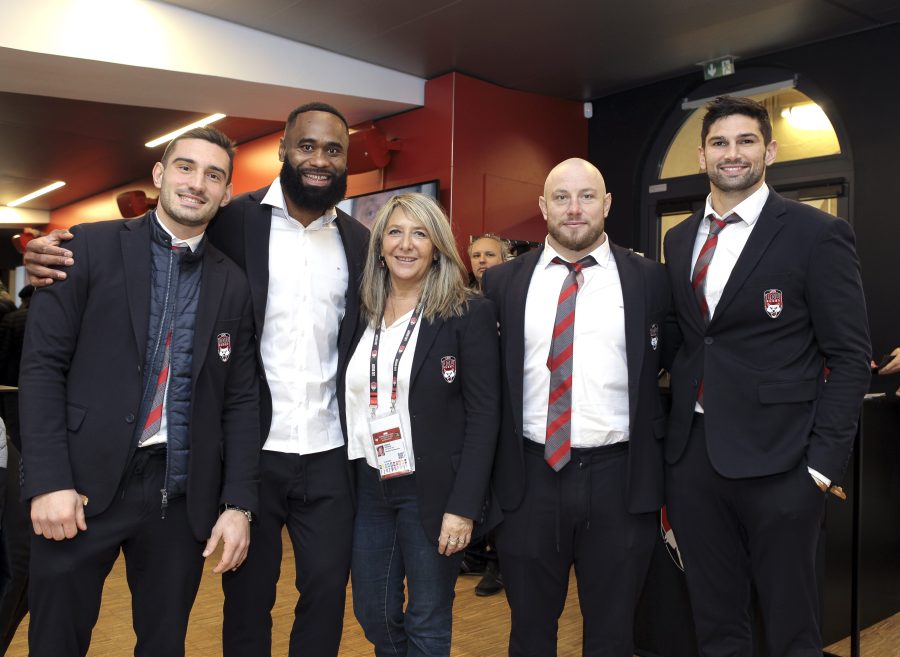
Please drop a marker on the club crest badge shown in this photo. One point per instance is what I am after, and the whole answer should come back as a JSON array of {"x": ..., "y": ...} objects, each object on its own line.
[
  {"x": 448, "y": 368},
  {"x": 773, "y": 302},
  {"x": 654, "y": 336},
  {"x": 223, "y": 342}
]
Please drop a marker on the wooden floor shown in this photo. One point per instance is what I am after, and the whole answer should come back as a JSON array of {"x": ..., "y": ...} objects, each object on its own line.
[{"x": 481, "y": 625}]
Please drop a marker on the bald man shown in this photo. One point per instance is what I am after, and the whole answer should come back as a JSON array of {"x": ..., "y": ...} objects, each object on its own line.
[{"x": 579, "y": 465}]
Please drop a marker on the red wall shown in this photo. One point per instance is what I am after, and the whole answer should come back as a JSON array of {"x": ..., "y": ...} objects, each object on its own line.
[{"x": 490, "y": 147}]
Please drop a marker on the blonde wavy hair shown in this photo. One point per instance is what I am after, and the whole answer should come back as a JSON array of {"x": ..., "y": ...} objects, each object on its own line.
[{"x": 444, "y": 292}]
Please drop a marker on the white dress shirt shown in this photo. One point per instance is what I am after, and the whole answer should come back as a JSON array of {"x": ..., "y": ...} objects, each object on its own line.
[
  {"x": 731, "y": 242},
  {"x": 306, "y": 300},
  {"x": 359, "y": 438},
  {"x": 600, "y": 414},
  {"x": 162, "y": 436}
]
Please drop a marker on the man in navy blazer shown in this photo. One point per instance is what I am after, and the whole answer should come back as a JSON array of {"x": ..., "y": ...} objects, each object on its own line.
[
  {"x": 599, "y": 511},
  {"x": 766, "y": 386},
  {"x": 303, "y": 259},
  {"x": 139, "y": 412}
]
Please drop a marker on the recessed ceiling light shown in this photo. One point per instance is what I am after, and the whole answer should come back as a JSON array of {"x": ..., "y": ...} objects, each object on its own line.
[
  {"x": 196, "y": 124},
  {"x": 35, "y": 194}
]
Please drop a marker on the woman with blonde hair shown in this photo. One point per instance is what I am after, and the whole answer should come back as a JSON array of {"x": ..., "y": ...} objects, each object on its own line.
[{"x": 422, "y": 407}]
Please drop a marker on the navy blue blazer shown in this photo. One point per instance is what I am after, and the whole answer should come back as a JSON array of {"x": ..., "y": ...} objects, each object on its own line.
[
  {"x": 81, "y": 378},
  {"x": 793, "y": 304},
  {"x": 645, "y": 292},
  {"x": 454, "y": 419}
]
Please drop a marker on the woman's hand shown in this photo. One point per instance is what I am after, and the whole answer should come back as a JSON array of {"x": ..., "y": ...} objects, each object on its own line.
[{"x": 456, "y": 533}]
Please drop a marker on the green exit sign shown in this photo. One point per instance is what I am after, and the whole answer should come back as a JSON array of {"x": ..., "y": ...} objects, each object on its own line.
[{"x": 718, "y": 68}]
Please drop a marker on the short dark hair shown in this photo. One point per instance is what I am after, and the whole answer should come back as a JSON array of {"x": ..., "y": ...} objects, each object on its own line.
[
  {"x": 727, "y": 105},
  {"x": 206, "y": 133},
  {"x": 314, "y": 107}
]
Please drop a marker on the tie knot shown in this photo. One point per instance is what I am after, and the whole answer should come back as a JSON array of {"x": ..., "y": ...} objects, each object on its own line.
[
  {"x": 180, "y": 249},
  {"x": 716, "y": 225},
  {"x": 586, "y": 261}
]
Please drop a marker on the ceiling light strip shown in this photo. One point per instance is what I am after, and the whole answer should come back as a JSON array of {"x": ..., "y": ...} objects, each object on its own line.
[
  {"x": 196, "y": 124},
  {"x": 35, "y": 194}
]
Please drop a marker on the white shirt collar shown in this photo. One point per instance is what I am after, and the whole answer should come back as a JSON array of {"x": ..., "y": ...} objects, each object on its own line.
[
  {"x": 192, "y": 242},
  {"x": 601, "y": 253},
  {"x": 748, "y": 210},
  {"x": 275, "y": 198}
]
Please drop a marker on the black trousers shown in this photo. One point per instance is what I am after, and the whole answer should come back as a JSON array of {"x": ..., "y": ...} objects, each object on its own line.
[
  {"x": 163, "y": 562},
  {"x": 15, "y": 544},
  {"x": 575, "y": 517},
  {"x": 733, "y": 533},
  {"x": 311, "y": 495}
]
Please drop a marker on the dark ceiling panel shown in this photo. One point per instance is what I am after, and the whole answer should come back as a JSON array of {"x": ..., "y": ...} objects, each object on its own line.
[
  {"x": 91, "y": 146},
  {"x": 571, "y": 48}
]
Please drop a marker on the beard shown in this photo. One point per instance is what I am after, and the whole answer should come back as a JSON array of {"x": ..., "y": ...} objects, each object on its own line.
[
  {"x": 577, "y": 242},
  {"x": 318, "y": 199},
  {"x": 192, "y": 218},
  {"x": 734, "y": 184}
]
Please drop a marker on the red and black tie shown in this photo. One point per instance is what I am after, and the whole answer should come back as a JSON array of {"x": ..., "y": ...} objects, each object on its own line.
[
  {"x": 557, "y": 448},
  {"x": 701, "y": 268}
]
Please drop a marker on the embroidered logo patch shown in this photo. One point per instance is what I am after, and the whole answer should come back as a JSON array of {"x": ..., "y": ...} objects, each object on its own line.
[
  {"x": 654, "y": 336},
  {"x": 773, "y": 302},
  {"x": 448, "y": 368},
  {"x": 223, "y": 342}
]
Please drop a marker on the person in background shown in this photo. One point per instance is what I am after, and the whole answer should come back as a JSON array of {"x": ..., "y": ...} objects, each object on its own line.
[
  {"x": 892, "y": 366},
  {"x": 422, "y": 403},
  {"x": 767, "y": 387},
  {"x": 485, "y": 252},
  {"x": 579, "y": 468},
  {"x": 140, "y": 413},
  {"x": 12, "y": 334}
]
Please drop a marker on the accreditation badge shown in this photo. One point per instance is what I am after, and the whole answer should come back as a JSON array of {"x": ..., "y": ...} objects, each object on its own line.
[{"x": 390, "y": 447}]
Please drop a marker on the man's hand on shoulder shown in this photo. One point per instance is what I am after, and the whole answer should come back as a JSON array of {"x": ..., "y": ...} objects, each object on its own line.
[
  {"x": 42, "y": 253},
  {"x": 58, "y": 515}
]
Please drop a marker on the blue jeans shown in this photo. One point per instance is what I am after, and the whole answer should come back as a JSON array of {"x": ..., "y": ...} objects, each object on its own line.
[{"x": 389, "y": 544}]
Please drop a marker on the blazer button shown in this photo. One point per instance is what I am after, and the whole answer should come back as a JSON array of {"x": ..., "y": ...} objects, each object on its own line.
[
  {"x": 130, "y": 418},
  {"x": 708, "y": 340}
]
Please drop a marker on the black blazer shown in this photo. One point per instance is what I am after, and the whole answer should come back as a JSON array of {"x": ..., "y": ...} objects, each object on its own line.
[
  {"x": 645, "y": 291},
  {"x": 81, "y": 378},
  {"x": 454, "y": 422},
  {"x": 765, "y": 399},
  {"x": 241, "y": 230}
]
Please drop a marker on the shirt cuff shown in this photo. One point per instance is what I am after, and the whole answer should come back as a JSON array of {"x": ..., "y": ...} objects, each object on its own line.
[{"x": 818, "y": 476}]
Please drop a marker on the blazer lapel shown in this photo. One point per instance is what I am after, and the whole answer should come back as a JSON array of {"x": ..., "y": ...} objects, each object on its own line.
[
  {"x": 632, "y": 283},
  {"x": 680, "y": 255},
  {"x": 212, "y": 288},
  {"x": 427, "y": 333},
  {"x": 135, "y": 241},
  {"x": 767, "y": 226},
  {"x": 257, "y": 225},
  {"x": 514, "y": 299}
]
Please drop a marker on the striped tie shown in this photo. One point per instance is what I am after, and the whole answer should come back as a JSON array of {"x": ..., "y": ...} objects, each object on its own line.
[
  {"x": 154, "y": 418},
  {"x": 701, "y": 268},
  {"x": 557, "y": 448}
]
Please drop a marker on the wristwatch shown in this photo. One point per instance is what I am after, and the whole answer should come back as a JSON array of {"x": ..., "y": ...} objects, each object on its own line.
[{"x": 232, "y": 507}]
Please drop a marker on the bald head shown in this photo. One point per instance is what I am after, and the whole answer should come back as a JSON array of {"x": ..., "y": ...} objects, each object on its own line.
[
  {"x": 575, "y": 204},
  {"x": 574, "y": 166}
]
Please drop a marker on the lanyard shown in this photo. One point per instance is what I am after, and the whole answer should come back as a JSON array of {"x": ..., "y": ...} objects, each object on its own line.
[{"x": 373, "y": 361}]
